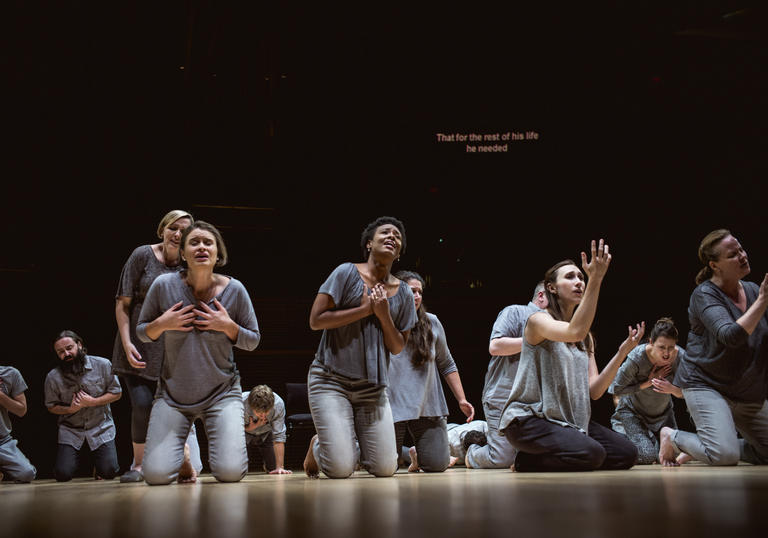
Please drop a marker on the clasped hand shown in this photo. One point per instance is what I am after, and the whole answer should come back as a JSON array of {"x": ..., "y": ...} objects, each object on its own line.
[{"x": 205, "y": 318}]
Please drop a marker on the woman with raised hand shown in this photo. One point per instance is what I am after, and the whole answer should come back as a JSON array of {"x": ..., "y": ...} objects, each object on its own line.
[
  {"x": 415, "y": 391},
  {"x": 644, "y": 387},
  {"x": 138, "y": 363},
  {"x": 365, "y": 314},
  {"x": 723, "y": 372},
  {"x": 548, "y": 414},
  {"x": 203, "y": 316}
]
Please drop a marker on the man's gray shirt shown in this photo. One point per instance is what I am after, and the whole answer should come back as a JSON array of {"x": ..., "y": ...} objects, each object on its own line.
[
  {"x": 12, "y": 384},
  {"x": 92, "y": 424},
  {"x": 502, "y": 368},
  {"x": 275, "y": 420}
]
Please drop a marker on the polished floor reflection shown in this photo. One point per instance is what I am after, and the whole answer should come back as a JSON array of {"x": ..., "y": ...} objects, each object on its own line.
[{"x": 646, "y": 501}]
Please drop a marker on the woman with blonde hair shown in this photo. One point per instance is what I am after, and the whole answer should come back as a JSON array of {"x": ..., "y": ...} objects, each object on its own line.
[
  {"x": 138, "y": 363},
  {"x": 723, "y": 373}
]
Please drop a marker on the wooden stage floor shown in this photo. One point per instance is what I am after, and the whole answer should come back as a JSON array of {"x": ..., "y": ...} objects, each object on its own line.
[{"x": 647, "y": 501}]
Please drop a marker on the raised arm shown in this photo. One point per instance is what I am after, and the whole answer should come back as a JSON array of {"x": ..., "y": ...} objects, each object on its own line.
[
  {"x": 754, "y": 313},
  {"x": 542, "y": 326},
  {"x": 599, "y": 382}
]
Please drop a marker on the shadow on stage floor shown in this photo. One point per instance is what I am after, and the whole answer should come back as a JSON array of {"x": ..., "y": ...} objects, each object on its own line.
[{"x": 693, "y": 500}]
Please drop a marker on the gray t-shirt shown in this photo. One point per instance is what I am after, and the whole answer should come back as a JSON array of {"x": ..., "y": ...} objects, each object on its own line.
[
  {"x": 199, "y": 365},
  {"x": 12, "y": 384},
  {"x": 417, "y": 391},
  {"x": 456, "y": 433},
  {"x": 141, "y": 269},
  {"x": 92, "y": 424},
  {"x": 275, "y": 420},
  {"x": 653, "y": 408},
  {"x": 552, "y": 383},
  {"x": 502, "y": 368},
  {"x": 719, "y": 353},
  {"x": 357, "y": 350}
]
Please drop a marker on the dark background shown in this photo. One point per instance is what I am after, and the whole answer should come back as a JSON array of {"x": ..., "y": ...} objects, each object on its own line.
[{"x": 290, "y": 128}]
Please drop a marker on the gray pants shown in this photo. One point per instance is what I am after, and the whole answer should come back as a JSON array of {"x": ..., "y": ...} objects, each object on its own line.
[
  {"x": 344, "y": 410},
  {"x": 498, "y": 453},
  {"x": 14, "y": 464},
  {"x": 644, "y": 436},
  {"x": 168, "y": 431},
  {"x": 718, "y": 420},
  {"x": 430, "y": 435}
]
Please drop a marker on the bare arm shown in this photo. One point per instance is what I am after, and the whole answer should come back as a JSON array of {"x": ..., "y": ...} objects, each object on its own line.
[
  {"x": 542, "y": 327},
  {"x": 454, "y": 383},
  {"x": 323, "y": 316},
  {"x": 505, "y": 345},
  {"x": 16, "y": 405},
  {"x": 279, "y": 449},
  {"x": 599, "y": 382}
]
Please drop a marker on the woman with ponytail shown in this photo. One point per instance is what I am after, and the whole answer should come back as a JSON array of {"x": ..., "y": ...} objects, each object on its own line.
[
  {"x": 723, "y": 372},
  {"x": 548, "y": 414},
  {"x": 415, "y": 391},
  {"x": 644, "y": 387}
]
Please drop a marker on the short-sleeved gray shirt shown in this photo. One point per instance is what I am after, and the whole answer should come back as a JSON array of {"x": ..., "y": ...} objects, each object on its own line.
[
  {"x": 417, "y": 391},
  {"x": 552, "y": 383},
  {"x": 12, "y": 384},
  {"x": 502, "y": 368},
  {"x": 719, "y": 353},
  {"x": 199, "y": 366},
  {"x": 92, "y": 424},
  {"x": 141, "y": 269},
  {"x": 357, "y": 350},
  {"x": 275, "y": 420},
  {"x": 456, "y": 433},
  {"x": 650, "y": 406}
]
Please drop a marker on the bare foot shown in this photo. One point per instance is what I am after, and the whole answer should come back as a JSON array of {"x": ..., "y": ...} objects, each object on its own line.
[
  {"x": 666, "y": 449},
  {"x": 512, "y": 468},
  {"x": 310, "y": 463},
  {"x": 683, "y": 458},
  {"x": 414, "y": 466},
  {"x": 466, "y": 462},
  {"x": 452, "y": 461},
  {"x": 187, "y": 473}
]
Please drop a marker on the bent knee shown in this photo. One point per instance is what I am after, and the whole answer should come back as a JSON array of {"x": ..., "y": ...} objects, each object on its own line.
[
  {"x": 229, "y": 473},
  {"x": 157, "y": 476},
  {"x": 723, "y": 457},
  {"x": 434, "y": 465},
  {"x": 383, "y": 468}
]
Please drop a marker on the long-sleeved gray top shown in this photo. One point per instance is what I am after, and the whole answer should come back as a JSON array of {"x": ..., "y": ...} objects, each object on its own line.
[
  {"x": 650, "y": 406},
  {"x": 417, "y": 391},
  {"x": 12, "y": 384},
  {"x": 552, "y": 383},
  {"x": 719, "y": 352},
  {"x": 503, "y": 368},
  {"x": 357, "y": 350},
  {"x": 275, "y": 420},
  {"x": 92, "y": 424},
  {"x": 199, "y": 365},
  {"x": 139, "y": 271}
]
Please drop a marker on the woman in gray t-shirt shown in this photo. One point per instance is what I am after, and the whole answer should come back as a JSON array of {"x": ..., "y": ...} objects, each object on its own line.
[
  {"x": 203, "y": 316},
  {"x": 416, "y": 393},
  {"x": 365, "y": 314},
  {"x": 547, "y": 416},
  {"x": 643, "y": 386},
  {"x": 136, "y": 362}
]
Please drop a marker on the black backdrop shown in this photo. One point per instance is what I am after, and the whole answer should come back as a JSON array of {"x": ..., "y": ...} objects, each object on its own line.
[{"x": 290, "y": 128}]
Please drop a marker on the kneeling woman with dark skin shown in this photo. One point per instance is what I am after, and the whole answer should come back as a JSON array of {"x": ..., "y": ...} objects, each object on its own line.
[
  {"x": 415, "y": 391},
  {"x": 365, "y": 314},
  {"x": 547, "y": 416},
  {"x": 203, "y": 315}
]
